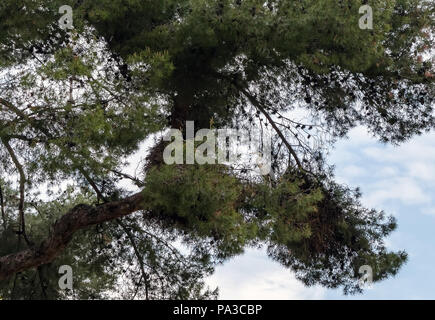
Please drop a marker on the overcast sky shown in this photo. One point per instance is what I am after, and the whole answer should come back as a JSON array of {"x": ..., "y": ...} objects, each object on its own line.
[{"x": 399, "y": 180}]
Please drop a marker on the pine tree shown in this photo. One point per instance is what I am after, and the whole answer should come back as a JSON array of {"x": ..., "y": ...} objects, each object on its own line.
[{"x": 76, "y": 103}]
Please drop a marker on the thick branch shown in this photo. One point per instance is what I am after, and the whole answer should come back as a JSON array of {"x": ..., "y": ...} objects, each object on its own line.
[{"x": 62, "y": 232}]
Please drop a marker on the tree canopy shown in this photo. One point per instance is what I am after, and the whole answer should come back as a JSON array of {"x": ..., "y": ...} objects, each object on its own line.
[{"x": 76, "y": 104}]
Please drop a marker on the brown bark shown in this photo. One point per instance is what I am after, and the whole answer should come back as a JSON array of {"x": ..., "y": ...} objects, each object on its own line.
[{"x": 62, "y": 232}]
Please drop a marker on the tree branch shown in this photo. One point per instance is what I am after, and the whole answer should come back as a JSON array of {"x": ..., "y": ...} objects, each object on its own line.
[
  {"x": 129, "y": 177},
  {"x": 260, "y": 108},
  {"x": 62, "y": 232},
  {"x": 22, "y": 187}
]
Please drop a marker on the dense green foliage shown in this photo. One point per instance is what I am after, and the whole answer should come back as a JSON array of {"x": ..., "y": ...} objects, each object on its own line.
[{"x": 76, "y": 104}]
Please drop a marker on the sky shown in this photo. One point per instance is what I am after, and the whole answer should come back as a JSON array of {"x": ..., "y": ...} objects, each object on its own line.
[{"x": 397, "y": 179}]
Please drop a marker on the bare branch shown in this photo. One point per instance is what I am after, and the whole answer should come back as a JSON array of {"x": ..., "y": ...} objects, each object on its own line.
[{"x": 260, "y": 108}]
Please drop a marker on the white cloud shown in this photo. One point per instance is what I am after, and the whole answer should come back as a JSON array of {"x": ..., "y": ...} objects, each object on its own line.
[
  {"x": 402, "y": 173},
  {"x": 404, "y": 189},
  {"x": 387, "y": 171},
  {"x": 429, "y": 211},
  {"x": 353, "y": 171},
  {"x": 420, "y": 149},
  {"x": 423, "y": 171},
  {"x": 254, "y": 276},
  {"x": 360, "y": 136}
]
